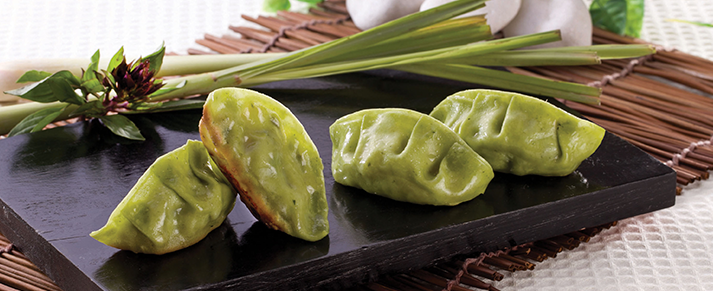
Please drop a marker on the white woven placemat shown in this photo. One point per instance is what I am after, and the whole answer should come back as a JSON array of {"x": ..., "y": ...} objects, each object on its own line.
[{"x": 671, "y": 249}]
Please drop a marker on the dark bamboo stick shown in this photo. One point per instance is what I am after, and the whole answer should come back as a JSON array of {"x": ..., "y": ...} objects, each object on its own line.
[
  {"x": 485, "y": 272},
  {"x": 677, "y": 77},
  {"x": 527, "y": 265},
  {"x": 11, "y": 277},
  {"x": 223, "y": 49},
  {"x": 338, "y": 30},
  {"x": 30, "y": 275},
  {"x": 4, "y": 287},
  {"x": 237, "y": 46},
  {"x": 702, "y": 154},
  {"x": 334, "y": 6},
  {"x": 299, "y": 34},
  {"x": 192, "y": 51},
  {"x": 579, "y": 236},
  {"x": 503, "y": 264}
]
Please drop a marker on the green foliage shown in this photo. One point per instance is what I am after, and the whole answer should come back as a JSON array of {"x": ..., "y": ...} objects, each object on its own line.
[
  {"x": 121, "y": 88},
  {"x": 624, "y": 17},
  {"x": 122, "y": 126},
  {"x": 275, "y": 5},
  {"x": 33, "y": 76},
  {"x": 43, "y": 91},
  {"x": 155, "y": 59},
  {"x": 36, "y": 121}
]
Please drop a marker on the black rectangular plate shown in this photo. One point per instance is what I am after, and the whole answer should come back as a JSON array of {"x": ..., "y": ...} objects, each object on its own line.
[{"x": 57, "y": 186}]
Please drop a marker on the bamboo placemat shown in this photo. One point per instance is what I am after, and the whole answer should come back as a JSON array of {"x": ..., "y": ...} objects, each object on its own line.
[{"x": 658, "y": 103}]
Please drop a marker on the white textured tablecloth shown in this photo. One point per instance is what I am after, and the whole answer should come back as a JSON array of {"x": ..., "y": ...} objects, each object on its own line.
[{"x": 671, "y": 249}]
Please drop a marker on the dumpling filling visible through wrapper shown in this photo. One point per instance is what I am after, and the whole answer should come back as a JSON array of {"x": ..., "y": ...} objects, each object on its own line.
[
  {"x": 519, "y": 134},
  {"x": 265, "y": 152},
  {"x": 179, "y": 200},
  {"x": 406, "y": 156}
]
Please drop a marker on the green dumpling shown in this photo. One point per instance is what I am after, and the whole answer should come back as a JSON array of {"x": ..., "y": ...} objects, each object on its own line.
[
  {"x": 520, "y": 134},
  {"x": 406, "y": 156},
  {"x": 179, "y": 200},
  {"x": 265, "y": 152}
]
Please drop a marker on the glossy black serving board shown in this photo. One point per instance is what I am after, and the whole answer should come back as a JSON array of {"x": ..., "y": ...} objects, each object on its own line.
[{"x": 58, "y": 185}]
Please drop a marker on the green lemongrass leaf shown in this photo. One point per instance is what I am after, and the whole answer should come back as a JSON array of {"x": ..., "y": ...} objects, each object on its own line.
[
  {"x": 36, "y": 121},
  {"x": 64, "y": 92},
  {"x": 531, "y": 58},
  {"x": 93, "y": 67},
  {"x": 41, "y": 91},
  {"x": 389, "y": 30},
  {"x": 122, "y": 126},
  {"x": 498, "y": 45},
  {"x": 240, "y": 75},
  {"x": 624, "y": 17},
  {"x": 90, "y": 109},
  {"x": 343, "y": 46},
  {"x": 176, "y": 105},
  {"x": 33, "y": 76},
  {"x": 155, "y": 59},
  {"x": 452, "y": 32},
  {"x": 115, "y": 60},
  {"x": 690, "y": 22},
  {"x": 607, "y": 51},
  {"x": 506, "y": 80},
  {"x": 438, "y": 55}
]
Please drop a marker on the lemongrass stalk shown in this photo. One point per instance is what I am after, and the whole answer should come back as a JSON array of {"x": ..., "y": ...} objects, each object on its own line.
[
  {"x": 12, "y": 115},
  {"x": 207, "y": 82},
  {"x": 531, "y": 58},
  {"x": 11, "y": 71},
  {"x": 494, "y": 78},
  {"x": 607, "y": 51},
  {"x": 353, "y": 43},
  {"x": 452, "y": 32}
]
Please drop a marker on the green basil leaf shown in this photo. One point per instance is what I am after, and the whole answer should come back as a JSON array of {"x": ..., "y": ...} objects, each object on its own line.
[
  {"x": 122, "y": 126},
  {"x": 90, "y": 109},
  {"x": 624, "y": 17},
  {"x": 166, "y": 106},
  {"x": 93, "y": 86},
  {"x": 41, "y": 91},
  {"x": 36, "y": 121},
  {"x": 33, "y": 76},
  {"x": 155, "y": 59},
  {"x": 69, "y": 77},
  {"x": 116, "y": 60},
  {"x": 63, "y": 91},
  {"x": 93, "y": 66}
]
